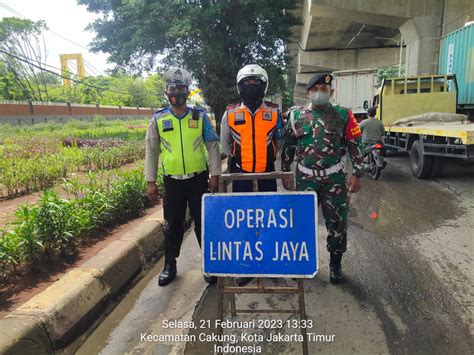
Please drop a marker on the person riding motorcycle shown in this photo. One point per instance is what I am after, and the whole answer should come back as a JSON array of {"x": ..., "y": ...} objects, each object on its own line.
[{"x": 372, "y": 130}]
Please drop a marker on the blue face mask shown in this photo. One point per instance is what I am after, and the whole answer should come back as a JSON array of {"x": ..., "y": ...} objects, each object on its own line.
[{"x": 320, "y": 98}]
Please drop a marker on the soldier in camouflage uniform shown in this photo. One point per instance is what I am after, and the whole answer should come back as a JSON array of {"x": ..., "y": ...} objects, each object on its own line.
[{"x": 319, "y": 135}]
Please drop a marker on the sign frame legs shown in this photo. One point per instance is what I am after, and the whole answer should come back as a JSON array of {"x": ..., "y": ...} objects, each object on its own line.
[{"x": 226, "y": 285}]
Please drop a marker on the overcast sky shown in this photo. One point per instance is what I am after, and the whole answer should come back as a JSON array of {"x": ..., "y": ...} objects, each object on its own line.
[{"x": 65, "y": 18}]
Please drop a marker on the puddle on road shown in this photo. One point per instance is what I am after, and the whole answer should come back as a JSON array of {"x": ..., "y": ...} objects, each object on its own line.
[{"x": 398, "y": 205}]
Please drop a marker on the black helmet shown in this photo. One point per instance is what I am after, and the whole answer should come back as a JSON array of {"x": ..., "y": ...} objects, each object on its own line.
[{"x": 372, "y": 111}]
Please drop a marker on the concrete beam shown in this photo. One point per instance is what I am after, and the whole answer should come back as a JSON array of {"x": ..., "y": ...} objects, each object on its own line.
[
  {"x": 300, "y": 88},
  {"x": 348, "y": 14},
  {"x": 325, "y": 32},
  {"x": 457, "y": 13},
  {"x": 292, "y": 49},
  {"x": 299, "y": 95},
  {"x": 307, "y": 22},
  {"x": 303, "y": 78},
  {"x": 376, "y": 10},
  {"x": 347, "y": 59},
  {"x": 421, "y": 36}
]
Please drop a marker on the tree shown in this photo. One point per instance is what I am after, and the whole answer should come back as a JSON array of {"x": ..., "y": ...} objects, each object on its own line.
[
  {"x": 392, "y": 71},
  {"x": 211, "y": 38},
  {"x": 22, "y": 50},
  {"x": 116, "y": 89},
  {"x": 9, "y": 89}
]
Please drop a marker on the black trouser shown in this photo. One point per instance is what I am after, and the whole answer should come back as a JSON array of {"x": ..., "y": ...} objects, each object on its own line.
[
  {"x": 246, "y": 185},
  {"x": 178, "y": 195}
]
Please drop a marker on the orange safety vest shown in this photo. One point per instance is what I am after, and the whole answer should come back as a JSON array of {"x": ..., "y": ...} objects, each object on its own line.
[{"x": 253, "y": 145}]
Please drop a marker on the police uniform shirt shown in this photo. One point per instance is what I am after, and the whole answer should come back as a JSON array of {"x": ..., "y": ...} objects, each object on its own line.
[{"x": 211, "y": 141}]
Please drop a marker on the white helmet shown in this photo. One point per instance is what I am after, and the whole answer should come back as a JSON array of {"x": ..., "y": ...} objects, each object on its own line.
[{"x": 252, "y": 70}]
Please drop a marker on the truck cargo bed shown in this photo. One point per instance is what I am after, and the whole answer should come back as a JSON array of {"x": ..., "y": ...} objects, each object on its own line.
[{"x": 463, "y": 131}]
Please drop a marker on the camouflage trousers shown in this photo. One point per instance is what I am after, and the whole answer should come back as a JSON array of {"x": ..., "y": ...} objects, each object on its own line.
[{"x": 332, "y": 196}]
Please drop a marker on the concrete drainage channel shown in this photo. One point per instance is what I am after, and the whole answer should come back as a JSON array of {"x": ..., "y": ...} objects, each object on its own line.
[{"x": 54, "y": 318}]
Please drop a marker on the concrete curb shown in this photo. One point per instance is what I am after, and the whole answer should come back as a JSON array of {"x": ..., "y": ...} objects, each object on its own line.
[{"x": 53, "y": 318}]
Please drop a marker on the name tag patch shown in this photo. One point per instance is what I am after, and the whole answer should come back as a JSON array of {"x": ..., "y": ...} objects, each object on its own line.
[
  {"x": 239, "y": 118},
  {"x": 193, "y": 123},
  {"x": 167, "y": 125},
  {"x": 267, "y": 116}
]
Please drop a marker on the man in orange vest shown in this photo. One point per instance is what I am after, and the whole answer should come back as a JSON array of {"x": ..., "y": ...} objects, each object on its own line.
[{"x": 251, "y": 132}]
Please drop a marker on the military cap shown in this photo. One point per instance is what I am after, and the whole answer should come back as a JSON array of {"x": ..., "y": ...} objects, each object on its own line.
[
  {"x": 177, "y": 76},
  {"x": 319, "y": 79}
]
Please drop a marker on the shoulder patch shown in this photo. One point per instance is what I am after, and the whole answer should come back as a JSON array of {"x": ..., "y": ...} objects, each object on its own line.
[
  {"x": 161, "y": 113},
  {"x": 352, "y": 129},
  {"x": 232, "y": 106},
  {"x": 161, "y": 110},
  {"x": 271, "y": 104}
]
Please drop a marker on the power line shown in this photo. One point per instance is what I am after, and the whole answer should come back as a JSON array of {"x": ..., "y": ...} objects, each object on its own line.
[
  {"x": 55, "y": 33},
  {"x": 91, "y": 66},
  {"x": 91, "y": 69},
  {"x": 6, "y": 7},
  {"x": 39, "y": 62},
  {"x": 59, "y": 36},
  {"x": 62, "y": 76}
]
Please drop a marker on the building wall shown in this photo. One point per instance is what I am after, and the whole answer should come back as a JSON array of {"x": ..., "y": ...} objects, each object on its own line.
[{"x": 32, "y": 113}]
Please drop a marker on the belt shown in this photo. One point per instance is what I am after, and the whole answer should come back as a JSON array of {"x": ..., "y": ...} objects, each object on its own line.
[
  {"x": 320, "y": 172},
  {"x": 185, "y": 176}
]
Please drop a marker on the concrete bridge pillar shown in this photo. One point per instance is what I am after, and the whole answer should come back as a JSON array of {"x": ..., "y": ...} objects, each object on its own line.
[{"x": 421, "y": 36}]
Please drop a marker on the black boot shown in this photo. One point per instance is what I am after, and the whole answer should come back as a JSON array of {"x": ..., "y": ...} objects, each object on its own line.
[
  {"x": 335, "y": 271},
  {"x": 167, "y": 274}
]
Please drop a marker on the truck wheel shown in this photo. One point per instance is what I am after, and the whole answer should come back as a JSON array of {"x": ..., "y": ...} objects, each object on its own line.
[
  {"x": 437, "y": 168},
  {"x": 421, "y": 164}
]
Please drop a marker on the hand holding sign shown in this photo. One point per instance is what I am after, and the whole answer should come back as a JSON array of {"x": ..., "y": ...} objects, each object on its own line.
[{"x": 287, "y": 182}]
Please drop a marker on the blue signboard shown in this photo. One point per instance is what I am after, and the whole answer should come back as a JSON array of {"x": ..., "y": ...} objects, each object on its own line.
[{"x": 260, "y": 234}]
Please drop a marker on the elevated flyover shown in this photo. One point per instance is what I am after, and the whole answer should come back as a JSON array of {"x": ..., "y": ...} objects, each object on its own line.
[{"x": 353, "y": 34}]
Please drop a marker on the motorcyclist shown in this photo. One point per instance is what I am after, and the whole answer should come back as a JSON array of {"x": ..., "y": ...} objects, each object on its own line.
[{"x": 372, "y": 130}]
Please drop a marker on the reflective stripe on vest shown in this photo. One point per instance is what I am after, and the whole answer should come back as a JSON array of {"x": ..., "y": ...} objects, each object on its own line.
[
  {"x": 181, "y": 143},
  {"x": 253, "y": 136}
]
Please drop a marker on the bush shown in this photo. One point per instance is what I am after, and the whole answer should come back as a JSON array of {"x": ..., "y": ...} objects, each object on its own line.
[
  {"x": 56, "y": 224},
  {"x": 20, "y": 175}
]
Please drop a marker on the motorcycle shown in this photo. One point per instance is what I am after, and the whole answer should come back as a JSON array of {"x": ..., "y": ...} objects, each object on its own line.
[{"x": 374, "y": 159}]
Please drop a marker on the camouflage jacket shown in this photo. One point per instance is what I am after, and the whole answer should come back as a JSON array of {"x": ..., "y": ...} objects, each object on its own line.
[{"x": 320, "y": 138}]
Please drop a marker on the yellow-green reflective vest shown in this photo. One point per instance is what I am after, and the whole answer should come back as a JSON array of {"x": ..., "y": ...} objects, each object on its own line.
[{"x": 181, "y": 143}]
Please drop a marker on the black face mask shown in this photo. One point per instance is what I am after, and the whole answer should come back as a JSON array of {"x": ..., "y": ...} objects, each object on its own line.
[
  {"x": 253, "y": 94},
  {"x": 178, "y": 99}
]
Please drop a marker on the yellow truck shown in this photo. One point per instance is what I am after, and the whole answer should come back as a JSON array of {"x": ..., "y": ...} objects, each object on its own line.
[{"x": 419, "y": 115}]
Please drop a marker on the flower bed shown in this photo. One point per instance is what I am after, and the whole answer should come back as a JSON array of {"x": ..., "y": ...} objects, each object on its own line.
[{"x": 33, "y": 158}]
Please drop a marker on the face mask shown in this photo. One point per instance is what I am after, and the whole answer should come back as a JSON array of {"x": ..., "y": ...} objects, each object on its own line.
[
  {"x": 253, "y": 92},
  {"x": 178, "y": 99},
  {"x": 320, "y": 98}
]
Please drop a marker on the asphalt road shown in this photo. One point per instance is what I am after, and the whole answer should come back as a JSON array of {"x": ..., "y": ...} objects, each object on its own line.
[{"x": 409, "y": 286}]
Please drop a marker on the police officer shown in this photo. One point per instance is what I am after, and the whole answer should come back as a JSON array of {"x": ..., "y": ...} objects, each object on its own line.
[
  {"x": 180, "y": 135},
  {"x": 319, "y": 135},
  {"x": 251, "y": 132}
]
